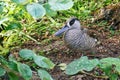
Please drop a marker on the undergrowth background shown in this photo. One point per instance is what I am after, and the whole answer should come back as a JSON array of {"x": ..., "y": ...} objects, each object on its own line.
[{"x": 18, "y": 25}]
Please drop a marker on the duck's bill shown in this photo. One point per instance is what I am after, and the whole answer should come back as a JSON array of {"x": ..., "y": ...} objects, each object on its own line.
[{"x": 59, "y": 32}]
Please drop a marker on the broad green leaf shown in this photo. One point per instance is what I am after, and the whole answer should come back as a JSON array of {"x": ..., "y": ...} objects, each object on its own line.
[
  {"x": 109, "y": 62},
  {"x": 13, "y": 65},
  {"x": 26, "y": 53},
  {"x": 110, "y": 73},
  {"x": 12, "y": 76},
  {"x": 117, "y": 68},
  {"x": 107, "y": 66},
  {"x": 25, "y": 71},
  {"x": 92, "y": 64},
  {"x": 20, "y": 1},
  {"x": 3, "y": 60},
  {"x": 44, "y": 75},
  {"x": 2, "y": 71},
  {"x": 81, "y": 64},
  {"x": 49, "y": 11},
  {"x": 36, "y": 10},
  {"x": 43, "y": 62},
  {"x": 60, "y": 4},
  {"x": 113, "y": 77},
  {"x": 13, "y": 26},
  {"x": 74, "y": 67}
]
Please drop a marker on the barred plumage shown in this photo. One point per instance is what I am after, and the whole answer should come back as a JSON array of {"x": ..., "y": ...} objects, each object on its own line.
[{"x": 75, "y": 37}]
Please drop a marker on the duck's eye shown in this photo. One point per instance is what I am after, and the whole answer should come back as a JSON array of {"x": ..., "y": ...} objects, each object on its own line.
[{"x": 72, "y": 22}]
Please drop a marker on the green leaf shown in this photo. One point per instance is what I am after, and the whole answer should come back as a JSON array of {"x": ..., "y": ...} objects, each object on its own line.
[
  {"x": 25, "y": 71},
  {"x": 49, "y": 11},
  {"x": 109, "y": 62},
  {"x": 92, "y": 64},
  {"x": 110, "y": 66},
  {"x": 43, "y": 62},
  {"x": 81, "y": 64},
  {"x": 13, "y": 65},
  {"x": 26, "y": 53},
  {"x": 3, "y": 60},
  {"x": 36, "y": 10},
  {"x": 2, "y": 71},
  {"x": 113, "y": 77},
  {"x": 1, "y": 9},
  {"x": 117, "y": 68},
  {"x": 12, "y": 76},
  {"x": 20, "y": 1},
  {"x": 60, "y": 4},
  {"x": 13, "y": 26},
  {"x": 74, "y": 67},
  {"x": 44, "y": 75}
]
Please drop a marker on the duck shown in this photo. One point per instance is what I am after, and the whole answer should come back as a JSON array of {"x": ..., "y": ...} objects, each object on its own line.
[{"x": 75, "y": 36}]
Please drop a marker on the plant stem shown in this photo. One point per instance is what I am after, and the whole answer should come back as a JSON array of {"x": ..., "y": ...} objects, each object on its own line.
[
  {"x": 105, "y": 77},
  {"x": 30, "y": 37}
]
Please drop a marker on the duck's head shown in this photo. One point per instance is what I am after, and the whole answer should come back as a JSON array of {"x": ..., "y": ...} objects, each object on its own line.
[{"x": 72, "y": 23}]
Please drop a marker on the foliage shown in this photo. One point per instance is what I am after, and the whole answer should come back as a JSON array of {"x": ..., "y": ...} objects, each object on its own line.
[
  {"x": 81, "y": 64},
  {"x": 44, "y": 75},
  {"x": 18, "y": 20},
  {"x": 21, "y": 20},
  {"x": 14, "y": 68},
  {"x": 110, "y": 66},
  {"x": 2, "y": 71},
  {"x": 36, "y": 10},
  {"x": 39, "y": 60}
]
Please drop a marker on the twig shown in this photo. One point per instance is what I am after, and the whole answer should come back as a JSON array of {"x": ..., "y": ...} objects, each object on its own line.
[
  {"x": 30, "y": 37},
  {"x": 105, "y": 77}
]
